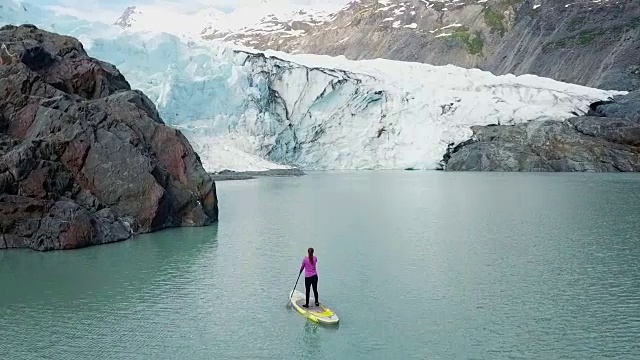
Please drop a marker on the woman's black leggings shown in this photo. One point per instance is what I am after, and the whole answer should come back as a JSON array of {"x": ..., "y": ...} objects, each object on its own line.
[{"x": 311, "y": 281}]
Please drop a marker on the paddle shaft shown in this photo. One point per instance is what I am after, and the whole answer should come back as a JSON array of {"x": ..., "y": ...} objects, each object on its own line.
[{"x": 294, "y": 286}]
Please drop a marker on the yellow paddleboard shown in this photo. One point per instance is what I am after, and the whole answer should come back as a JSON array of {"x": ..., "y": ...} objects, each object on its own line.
[{"x": 319, "y": 314}]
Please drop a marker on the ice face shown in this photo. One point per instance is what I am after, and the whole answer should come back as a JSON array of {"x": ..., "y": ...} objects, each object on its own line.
[{"x": 318, "y": 112}]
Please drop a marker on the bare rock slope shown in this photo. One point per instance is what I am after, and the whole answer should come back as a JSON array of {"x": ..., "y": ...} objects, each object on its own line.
[{"x": 587, "y": 42}]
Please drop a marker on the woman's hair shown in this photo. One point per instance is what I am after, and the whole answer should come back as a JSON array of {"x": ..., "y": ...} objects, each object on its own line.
[{"x": 310, "y": 251}]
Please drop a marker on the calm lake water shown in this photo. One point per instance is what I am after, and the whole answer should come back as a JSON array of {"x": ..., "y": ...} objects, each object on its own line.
[{"x": 418, "y": 265}]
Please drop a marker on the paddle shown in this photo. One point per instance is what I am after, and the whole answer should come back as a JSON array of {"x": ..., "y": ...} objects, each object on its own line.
[{"x": 294, "y": 287}]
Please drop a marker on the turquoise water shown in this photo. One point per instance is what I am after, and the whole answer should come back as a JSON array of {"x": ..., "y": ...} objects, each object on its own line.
[{"x": 419, "y": 265}]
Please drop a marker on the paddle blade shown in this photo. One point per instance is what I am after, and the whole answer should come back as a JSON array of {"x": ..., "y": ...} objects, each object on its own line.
[{"x": 289, "y": 300}]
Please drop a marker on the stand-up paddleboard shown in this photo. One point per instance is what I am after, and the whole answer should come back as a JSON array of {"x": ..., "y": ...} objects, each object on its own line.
[{"x": 319, "y": 314}]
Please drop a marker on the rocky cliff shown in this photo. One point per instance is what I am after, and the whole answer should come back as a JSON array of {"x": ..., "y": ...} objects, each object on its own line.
[
  {"x": 587, "y": 42},
  {"x": 84, "y": 159},
  {"x": 608, "y": 140}
]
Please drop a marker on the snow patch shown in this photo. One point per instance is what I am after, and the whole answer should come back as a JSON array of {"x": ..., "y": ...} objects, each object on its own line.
[{"x": 446, "y": 27}]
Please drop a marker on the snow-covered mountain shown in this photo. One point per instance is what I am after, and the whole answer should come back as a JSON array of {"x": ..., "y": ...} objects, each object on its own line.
[
  {"x": 257, "y": 18},
  {"x": 277, "y": 27},
  {"x": 588, "y": 42},
  {"x": 318, "y": 112},
  {"x": 169, "y": 19}
]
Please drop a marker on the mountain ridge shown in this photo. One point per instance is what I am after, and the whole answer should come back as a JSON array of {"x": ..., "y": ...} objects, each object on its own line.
[{"x": 587, "y": 42}]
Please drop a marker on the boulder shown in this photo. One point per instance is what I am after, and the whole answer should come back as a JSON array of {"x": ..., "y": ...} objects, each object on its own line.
[{"x": 626, "y": 106}]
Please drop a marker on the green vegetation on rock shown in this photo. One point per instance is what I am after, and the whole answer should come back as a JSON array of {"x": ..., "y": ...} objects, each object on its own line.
[
  {"x": 494, "y": 14},
  {"x": 438, "y": 6},
  {"x": 575, "y": 23},
  {"x": 587, "y": 36},
  {"x": 474, "y": 42},
  {"x": 494, "y": 19}
]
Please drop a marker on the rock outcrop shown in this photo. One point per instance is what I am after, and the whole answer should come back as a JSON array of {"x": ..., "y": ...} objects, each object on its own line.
[
  {"x": 84, "y": 159},
  {"x": 606, "y": 141}
]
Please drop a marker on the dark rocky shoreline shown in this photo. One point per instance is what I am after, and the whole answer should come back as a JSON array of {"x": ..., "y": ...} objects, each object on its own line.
[
  {"x": 84, "y": 159},
  {"x": 606, "y": 140},
  {"x": 228, "y": 175}
]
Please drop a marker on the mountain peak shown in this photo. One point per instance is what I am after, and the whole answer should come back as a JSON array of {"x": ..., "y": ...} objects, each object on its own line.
[{"x": 128, "y": 17}]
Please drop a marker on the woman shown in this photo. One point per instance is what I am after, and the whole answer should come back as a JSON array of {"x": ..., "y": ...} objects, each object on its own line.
[{"x": 310, "y": 276}]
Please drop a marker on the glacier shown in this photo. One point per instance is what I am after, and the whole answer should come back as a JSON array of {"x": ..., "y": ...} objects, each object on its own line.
[{"x": 244, "y": 109}]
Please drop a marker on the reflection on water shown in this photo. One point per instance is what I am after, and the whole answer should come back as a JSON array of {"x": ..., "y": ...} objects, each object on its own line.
[{"x": 104, "y": 270}]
